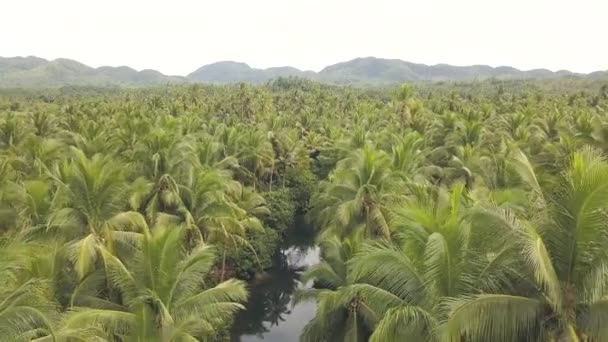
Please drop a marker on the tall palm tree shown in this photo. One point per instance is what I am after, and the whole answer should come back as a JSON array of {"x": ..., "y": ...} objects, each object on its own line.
[
  {"x": 24, "y": 301},
  {"x": 407, "y": 156},
  {"x": 157, "y": 153},
  {"x": 339, "y": 316},
  {"x": 12, "y": 130},
  {"x": 153, "y": 200},
  {"x": 212, "y": 207},
  {"x": 354, "y": 198},
  {"x": 89, "y": 212},
  {"x": 206, "y": 152},
  {"x": 436, "y": 253},
  {"x": 256, "y": 156},
  {"x": 39, "y": 155},
  {"x": 561, "y": 244},
  {"x": 34, "y": 204},
  {"x": 164, "y": 289},
  {"x": 93, "y": 138}
]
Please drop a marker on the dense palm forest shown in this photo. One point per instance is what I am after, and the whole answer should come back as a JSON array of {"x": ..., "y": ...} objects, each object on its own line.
[{"x": 444, "y": 212}]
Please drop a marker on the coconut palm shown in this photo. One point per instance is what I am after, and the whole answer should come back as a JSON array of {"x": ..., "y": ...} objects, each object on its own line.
[
  {"x": 354, "y": 198},
  {"x": 206, "y": 152},
  {"x": 562, "y": 247},
  {"x": 13, "y": 130},
  {"x": 157, "y": 200},
  {"x": 436, "y": 253},
  {"x": 339, "y": 315},
  {"x": 25, "y": 303},
  {"x": 34, "y": 204},
  {"x": 39, "y": 155},
  {"x": 157, "y": 153},
  {"x": 89, "y": 213},
  {"x": 407, "y": 156},
  {"x": 211, "y": 207},
  {"x": 9, "y": 190},
  {"x": 257, "y": 155},
  {"x": 164, "y": 291}
]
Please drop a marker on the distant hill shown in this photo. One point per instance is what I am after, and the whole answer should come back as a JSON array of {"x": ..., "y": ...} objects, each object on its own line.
[
  {"x": 599, "y": 75},
  {"x": 38, "y": 72},
  {"x": 231, "y": 72},
  {"x": 378, "y": 70},
  {"x": 371, "y": 70}
]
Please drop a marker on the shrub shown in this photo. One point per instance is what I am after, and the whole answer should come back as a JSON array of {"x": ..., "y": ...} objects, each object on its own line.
[
  {"x": 282, "y": 209},
  {"x": 243, "y": 263},
  {"x": 302, "y": 183}
]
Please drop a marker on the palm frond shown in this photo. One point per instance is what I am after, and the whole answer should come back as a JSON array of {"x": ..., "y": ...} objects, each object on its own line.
[
  {"x": 113, "y": 322},
  {"x": 120, "y": 277},
  {"x": 390, "y": 270},
  {"x": 408, "y": 323},
  {"x": 83, "y": 253},
  {"x": 493, "y": 317}
]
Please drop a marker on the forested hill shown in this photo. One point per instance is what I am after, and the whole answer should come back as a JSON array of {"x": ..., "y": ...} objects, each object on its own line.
[{"x": 38, "y": 72}]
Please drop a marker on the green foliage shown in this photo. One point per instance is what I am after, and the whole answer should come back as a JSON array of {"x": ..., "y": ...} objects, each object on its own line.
[
  {"x": 245, "y": 263},
  {"x": 301, "y": 183},
  {"x": 445, "y": 212},
  {"x": 282, "y": 210}
]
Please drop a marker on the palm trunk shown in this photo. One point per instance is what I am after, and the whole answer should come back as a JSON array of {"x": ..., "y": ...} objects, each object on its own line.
[
  {"x": 271, "y": 174},
  {"x": 569, "y": 335},
  {"x": 223, "y": 273},
  {"x": 107, "y": 239},
  {"x": 284, "y": 177}
]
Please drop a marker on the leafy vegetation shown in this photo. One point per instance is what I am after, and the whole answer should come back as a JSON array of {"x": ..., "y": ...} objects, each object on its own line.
[{"x": 452, "y": 212}]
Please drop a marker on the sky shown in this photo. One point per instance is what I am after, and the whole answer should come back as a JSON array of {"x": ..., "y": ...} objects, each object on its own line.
[{"x": 178, "y": 36}]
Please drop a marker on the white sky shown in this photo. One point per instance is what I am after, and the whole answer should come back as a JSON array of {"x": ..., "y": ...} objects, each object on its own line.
[{"x": 178, "y": 36}]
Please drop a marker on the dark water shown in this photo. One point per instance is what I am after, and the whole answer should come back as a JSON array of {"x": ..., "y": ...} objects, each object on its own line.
[{"x": 270, "y": 315}]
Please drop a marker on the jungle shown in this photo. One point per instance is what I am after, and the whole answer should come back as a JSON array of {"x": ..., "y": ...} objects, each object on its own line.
[{"x": 450, "y": 211}]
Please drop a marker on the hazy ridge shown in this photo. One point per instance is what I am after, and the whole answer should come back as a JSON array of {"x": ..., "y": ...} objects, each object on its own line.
[{"x": 39, "y": 72}]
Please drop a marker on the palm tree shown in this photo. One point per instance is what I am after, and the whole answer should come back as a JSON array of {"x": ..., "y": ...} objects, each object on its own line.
[
  {"x": 24, "y": 301},
  {"x": 288, "y": 154},
  {"x": 12, "y": 130},
  {"x": 340, "y": 316},
  {"x": 89, "y": 212},
  {"x": 39, "y": 155},
  {"x": 34, "y": 204},
  {"x": 407, "y": 156},
  {"x": 164, "y": 289},
  {"x": 436, "y": 254},
  {"x": 93, "y": 138},
  {"x": 354, "y": 198},
  {"x": 212, "y": 207},
  {"x": 256, "y": 156},
  {"x": 9, "y": 190},
  {"x": 155, "y": 201},
  {"x": 43, "y": 123},
  {"x": 158, "y": 153},
  {"x": 562, "y": 245},
  {"x": 206, "y": 152}
]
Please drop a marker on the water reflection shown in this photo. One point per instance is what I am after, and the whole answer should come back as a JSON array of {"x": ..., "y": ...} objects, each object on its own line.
[{"x": 269, "y": 315}]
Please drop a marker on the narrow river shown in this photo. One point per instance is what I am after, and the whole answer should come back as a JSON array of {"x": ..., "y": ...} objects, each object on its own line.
[{"x": 269, "y": 314}]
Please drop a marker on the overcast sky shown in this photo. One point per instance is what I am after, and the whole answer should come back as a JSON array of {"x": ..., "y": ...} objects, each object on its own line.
[{"x": 178, "y": 36}]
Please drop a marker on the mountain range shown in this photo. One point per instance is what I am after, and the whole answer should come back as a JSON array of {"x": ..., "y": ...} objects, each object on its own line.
[{"x": 38, "y": 72}]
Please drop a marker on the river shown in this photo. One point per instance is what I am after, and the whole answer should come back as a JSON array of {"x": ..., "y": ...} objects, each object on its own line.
[{"x": 269, "y": 314}]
